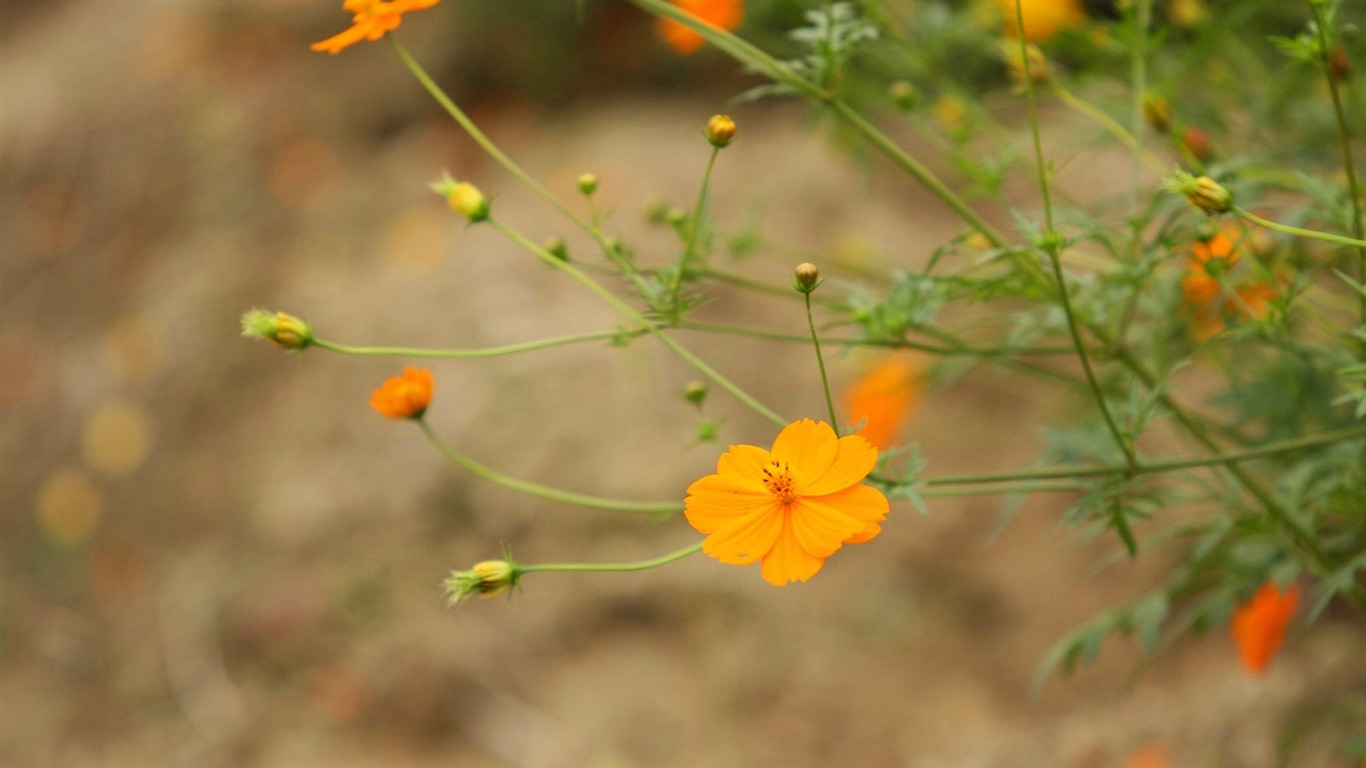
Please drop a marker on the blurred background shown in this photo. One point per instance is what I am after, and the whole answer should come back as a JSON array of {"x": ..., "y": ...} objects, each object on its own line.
[{"x": 214, "y": 554}]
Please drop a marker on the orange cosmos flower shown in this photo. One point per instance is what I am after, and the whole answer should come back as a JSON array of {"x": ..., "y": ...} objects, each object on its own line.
[
  {"x": 883, "y": 398},
  {"x": 404, "y": 397},
  {"x": 370, "y": 20},
  {"x": 1258, "y": 626},
  {"x": 725, "y": 14},
  {"x": 1210, "y": 306},
  {"x": 1042, "y": 18},
  {"x": 790, "y": 507}
]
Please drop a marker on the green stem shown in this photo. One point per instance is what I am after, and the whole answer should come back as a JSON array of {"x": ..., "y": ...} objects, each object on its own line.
[
  {"x": 508, "y": 349},
  {"x": 820, "y": 361},
  {"x": 1227, "y": 459},
  {"x": 1004, "y": 488},
  {"x": 1053, "y": 246},
  {"x": 642, "y": 565},
  {"x": 1111, "y": 125},
  {"x": 1327, "y": 237},
  {"x": 484, "y": 142},
  {"x": 779, "y": 72},
  {"x": 1353, "y": 191},
  {"x": 685, "y": 258},
  {"x": 631, "y": 314},
  {"x": 545, "y": 491}
]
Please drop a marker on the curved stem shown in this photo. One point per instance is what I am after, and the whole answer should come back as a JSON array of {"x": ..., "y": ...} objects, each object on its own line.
[
  {"x": 648, "y": 327},
  {"x": 1047, "y": 473},
  {"x": 1053, "y": 246},
  {"x": 545, "y": 491},
  {"x": 820, "y": 361},
  {"x": 642, "y": 565},
  {"x": 685, "y": 258},
  {"x": 506, "y": 349},
  {"x": 1327, "y": 237}
]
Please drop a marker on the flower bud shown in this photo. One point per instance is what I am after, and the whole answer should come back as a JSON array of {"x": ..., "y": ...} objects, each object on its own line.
[
  {"x": 556, "y": 247},
  {"x": 285, "y": 330},
  {"x": 1158, "y": 112},
  {"x": 588, "y": 184},
  {"x": 1203, "y": 192},
  {"x": 903, "y": 95},
  {"x": 463, "y": 197},
  {"x": 720, "y": 131},
  {"x": 695, "y": 392},
  {"x": 1197, "y": 142},
  {"x": 806, "y": 277},
  {"x": 489, "y": 578},
  {"x": 1339, "y": 67}
]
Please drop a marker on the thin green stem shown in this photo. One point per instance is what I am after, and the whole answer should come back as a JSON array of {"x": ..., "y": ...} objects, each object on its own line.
[
  {"x": 1138, "y": 75},
  {"x": 642, "y": 565},
  {"x": 1114, "y": 470},
  {"x": 1005, "y": 488},
  {"x": 480, "y": 138},
  {"x": 545, "y": 491},
  {"x": 820, "y": 361},
  {"x": 1353, "y": 191},
  {"x": 1111, "y": 126},
  {"x": 685, "y": 258},
  {"x": 507, "y": 349},
  {"x": 1053, "y": 247},
  {"x": 1327, "y": 237},
  {"x": 779, "y": 72},
  {"x": 627, "y": 311}
]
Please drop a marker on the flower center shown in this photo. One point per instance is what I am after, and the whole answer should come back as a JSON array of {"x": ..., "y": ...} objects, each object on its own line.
[{"x": 780, "y": 482}]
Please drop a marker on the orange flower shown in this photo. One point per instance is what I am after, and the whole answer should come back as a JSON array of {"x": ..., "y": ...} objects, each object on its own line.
[
  {"x": 370, "y": 20},
  {"x": 404, "y": 397},
  {"x": 1042, "y": 18},
  {"x": 790, "y": 507},
  {"x": 883, "y": 398},
  {"x": 1258, "y": 626},
  {"x": 725, "y": 14},
  {"x": 1210, "y": 259}
]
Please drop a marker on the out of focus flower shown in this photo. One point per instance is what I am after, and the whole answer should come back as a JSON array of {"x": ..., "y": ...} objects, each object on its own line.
[
  {"x": 282, "y": 328},
  {"x": 1210, "y": 296},
  {"x": 489, "y": 578},
  {"x": 720, "y": 131},
  {"x": 883, "y": 398},
  {"x": 1042, "y": 18},
  {"x": 405, "y": 396},
  {"x": 790, "y": 507},
  {"x": 370, "y": 20},
  {"x": 1258, "y": 626},
  {"x": 725, "y": 14}
]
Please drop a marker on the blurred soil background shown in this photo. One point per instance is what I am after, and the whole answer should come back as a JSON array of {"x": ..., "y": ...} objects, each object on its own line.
[{"x": 215, "y": 554}]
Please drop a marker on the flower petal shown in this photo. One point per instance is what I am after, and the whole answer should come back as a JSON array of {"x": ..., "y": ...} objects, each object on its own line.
[
  {"x": 345, "y": 39},
  {"x": 716, "y": 501},
  {"x": 787, "y": 561},
  {"x": 747, "y": 539},
  {"x": 854, "y": 458},
  {"x": 863, "y": 503},
  {"x": 746, "y": 461},
  {"x": 807, "y": 447},
  {"x": 821, "y": 528}
]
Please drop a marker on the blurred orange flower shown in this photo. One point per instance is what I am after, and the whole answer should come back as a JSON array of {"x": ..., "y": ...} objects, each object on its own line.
[
  {"x": 1258, "y": 625},
  {"x": 791, "y": 507},
  {"x": 883, "y": 398},
  {"x": 404, "y": 397},
  {"x": 725, "y": 14},
  {"x": 1042, "y": 18},
  {"x": 370, "y": 20},
  {"x": 1209, "y": 261}
]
